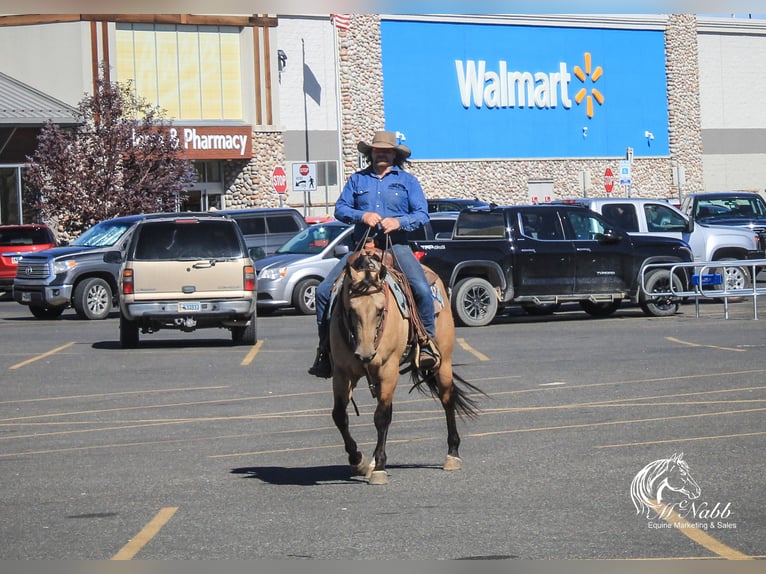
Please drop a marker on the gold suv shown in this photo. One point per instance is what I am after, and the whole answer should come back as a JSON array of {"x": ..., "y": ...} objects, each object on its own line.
[{"x": 186, "y": 272}]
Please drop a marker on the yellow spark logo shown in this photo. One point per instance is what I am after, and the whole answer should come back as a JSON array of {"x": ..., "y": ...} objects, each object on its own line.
[{"x": 594, "y": 93}]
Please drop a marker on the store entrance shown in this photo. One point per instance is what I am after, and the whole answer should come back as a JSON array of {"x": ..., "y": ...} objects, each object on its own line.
[
  {"x": 10, "y": 195},
  {"x": 206, "y": 192}
]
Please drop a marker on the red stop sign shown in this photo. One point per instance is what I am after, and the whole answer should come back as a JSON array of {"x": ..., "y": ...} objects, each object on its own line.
[
  {"x": 608, "y": 180},
  {"x": 279, "y": 179},
  {"x": 303, "y": 169}
]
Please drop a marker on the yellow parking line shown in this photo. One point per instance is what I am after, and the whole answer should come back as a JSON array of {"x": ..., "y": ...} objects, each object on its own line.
[
  {"x": 251, "y": 355},
  {"x": 474, "y": 352},
  {"x": 690, "y": 344},
  {"x": 38, "y": 357},
  {"x": 703, "y": 538},
  {"x": 148, "y": 532}
]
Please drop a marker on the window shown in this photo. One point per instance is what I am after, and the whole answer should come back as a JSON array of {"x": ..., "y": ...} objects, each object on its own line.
[
  {"x": 660, "y": 218},
  {"x": 283, "y": 224},
  {"x": 586, "y": 226},
  {"x": 193, "y": 72},
  {"x": 623, "y": 215},
  {"x": 542, "y": 225}
]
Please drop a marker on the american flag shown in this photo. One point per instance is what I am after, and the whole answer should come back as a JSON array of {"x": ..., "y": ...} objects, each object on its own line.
[{"x": 341, "y": 21}]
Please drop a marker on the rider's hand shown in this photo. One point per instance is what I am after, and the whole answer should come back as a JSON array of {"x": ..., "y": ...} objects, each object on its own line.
[
  {"x": 371, "y": 218},
  {"x": 390, "y": 224}
]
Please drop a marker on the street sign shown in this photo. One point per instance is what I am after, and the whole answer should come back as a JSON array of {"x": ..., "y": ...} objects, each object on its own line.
[
  {"x": 304, "y": 176},
  {"x": 608, "y": 180},
  {"x": 625, "y": 172},
  {"x": 279, "y": 179}
]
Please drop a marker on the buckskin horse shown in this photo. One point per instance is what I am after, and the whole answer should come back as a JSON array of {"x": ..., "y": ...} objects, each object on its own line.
[{"x": 370, "y": 337}]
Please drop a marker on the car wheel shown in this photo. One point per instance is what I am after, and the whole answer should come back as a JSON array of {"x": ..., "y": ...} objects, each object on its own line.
[
  {"x": 474, "y": 302},
  {"x": 128, "y": 333},
  {"x": 93, "y": 299},
  {"x": 658, "y": 281},
  {"x": 46, "y": 312},
  {"x": 247, "y": 335},
  {"x": 540, "y": 309},
  {"x": 304, "y": 296},
  {"x": 600, "y": 309},
  {"x": 734, "y": 278}
]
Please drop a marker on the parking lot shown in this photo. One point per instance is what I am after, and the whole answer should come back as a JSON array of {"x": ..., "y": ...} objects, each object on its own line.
[{"x": 191, "y": 448}]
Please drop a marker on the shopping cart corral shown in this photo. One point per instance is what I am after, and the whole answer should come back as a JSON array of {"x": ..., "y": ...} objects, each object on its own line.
[{"x": 712, "y": 280}]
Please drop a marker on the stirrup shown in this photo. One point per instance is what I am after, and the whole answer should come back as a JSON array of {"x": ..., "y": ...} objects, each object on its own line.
[{"x": 428, "y": 358}]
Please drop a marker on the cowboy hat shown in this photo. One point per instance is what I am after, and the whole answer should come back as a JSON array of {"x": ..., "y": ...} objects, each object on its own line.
[{"x": 385, "y": 140}]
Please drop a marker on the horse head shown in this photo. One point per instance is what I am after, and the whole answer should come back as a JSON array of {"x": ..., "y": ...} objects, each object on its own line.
[
  {"x": 678, "y": 479},
  {"x": 366, "y": 302},
  {"x": 649, "y": 485}
]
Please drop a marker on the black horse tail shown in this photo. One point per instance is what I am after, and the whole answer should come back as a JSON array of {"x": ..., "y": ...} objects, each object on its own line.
[{"x": 463, "y": 392}]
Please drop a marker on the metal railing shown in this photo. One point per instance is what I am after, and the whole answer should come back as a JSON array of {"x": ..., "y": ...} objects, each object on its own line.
[{"x": 708, "y": 281}]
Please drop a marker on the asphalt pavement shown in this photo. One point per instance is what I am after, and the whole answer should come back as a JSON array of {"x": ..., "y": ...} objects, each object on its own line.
[{"x": 191, "y": 448}]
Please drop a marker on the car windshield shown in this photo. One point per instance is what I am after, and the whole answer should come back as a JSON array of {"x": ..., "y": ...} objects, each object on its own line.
[
  {"x": 104, "y": 234},
  {"x": 744, "y": 207},
  {"x": 312, "y": 239}
]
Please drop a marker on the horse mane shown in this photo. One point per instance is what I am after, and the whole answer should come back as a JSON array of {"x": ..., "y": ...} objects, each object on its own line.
[{"x": 643, "y": 487}]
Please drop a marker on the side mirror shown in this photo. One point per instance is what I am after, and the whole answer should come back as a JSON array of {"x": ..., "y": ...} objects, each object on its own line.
[
  {"x": 609, "y": 236},
  {"x": 340, "y": 250},
  {"x": 114, "y": 257},
  {"x": 256, "y": 253}
]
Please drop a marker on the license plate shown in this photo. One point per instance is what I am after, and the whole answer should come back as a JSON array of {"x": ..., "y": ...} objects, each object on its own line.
[
  {"x": 185, "y": 306},
  {"x": 26, "y": 297}
]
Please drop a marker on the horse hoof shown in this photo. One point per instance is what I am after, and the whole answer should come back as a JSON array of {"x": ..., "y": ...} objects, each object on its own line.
[
  {"x": 453, "y": 463},
  {"x": 378, "y": 477},
  {"x": 363, "y": 468}
]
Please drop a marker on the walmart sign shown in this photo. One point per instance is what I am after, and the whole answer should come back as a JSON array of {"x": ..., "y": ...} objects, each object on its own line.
[{"x": 471, "y": 91}]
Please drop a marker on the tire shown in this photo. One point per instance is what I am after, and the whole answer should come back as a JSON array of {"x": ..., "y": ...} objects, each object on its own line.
[
  {"x": 600, "y": 309},
  {"x": 658, "y": 280},
  {"x": 93, "y": 299},
  {"x": 734, "y": 277},
  {"x": 46, "y": 312},
  {"x": 304, "y": 296},
  {"x": 247, "y": 335},
  {"x": 474, "y": 302},
  {"x": 540, "y": 309},
  {"x": 128, "y": 333}
]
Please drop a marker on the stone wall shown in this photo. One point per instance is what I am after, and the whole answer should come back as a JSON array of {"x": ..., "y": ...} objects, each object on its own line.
[
  {"x": 506, "y": 181},
  {"x": 248, "y": 184}
]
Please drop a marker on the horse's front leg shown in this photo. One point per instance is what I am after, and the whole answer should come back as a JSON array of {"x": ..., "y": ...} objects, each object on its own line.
[
  {"x": 383, "y": 416},
  {"x": 342, "y": 392}
]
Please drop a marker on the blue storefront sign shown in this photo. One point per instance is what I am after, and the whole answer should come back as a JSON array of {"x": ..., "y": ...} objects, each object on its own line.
[{"x": 473, "y": 91}]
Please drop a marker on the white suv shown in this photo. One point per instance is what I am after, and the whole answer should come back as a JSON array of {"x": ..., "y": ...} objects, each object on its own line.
[{"x": 185, "y": 272}]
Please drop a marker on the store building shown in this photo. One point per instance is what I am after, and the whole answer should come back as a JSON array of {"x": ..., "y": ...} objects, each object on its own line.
[{"x": 509, "y": 108}]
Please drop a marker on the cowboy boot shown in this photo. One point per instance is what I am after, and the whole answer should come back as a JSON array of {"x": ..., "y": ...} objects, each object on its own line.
[
  {"x": 428, "y": 356},
  {"x": 322, "y": 366}
]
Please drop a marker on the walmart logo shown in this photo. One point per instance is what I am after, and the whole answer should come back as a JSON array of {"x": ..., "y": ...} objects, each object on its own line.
[
  {"x": 583, "y": 94},
  {"x": 481, "y": 85}
]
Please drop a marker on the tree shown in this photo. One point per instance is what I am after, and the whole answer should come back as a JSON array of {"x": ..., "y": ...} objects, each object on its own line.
[{"x": 121, "y": 159}]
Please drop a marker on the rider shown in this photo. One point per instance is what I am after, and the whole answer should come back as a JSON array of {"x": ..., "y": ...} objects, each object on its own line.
[{"x": 382, "y": 199}]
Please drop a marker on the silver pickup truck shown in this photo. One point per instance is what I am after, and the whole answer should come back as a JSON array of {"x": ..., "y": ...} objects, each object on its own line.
[{"x": 708, "y": 242}]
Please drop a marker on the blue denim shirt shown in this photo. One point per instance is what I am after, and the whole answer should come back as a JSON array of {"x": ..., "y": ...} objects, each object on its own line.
[{"x": 398, "y": 194}]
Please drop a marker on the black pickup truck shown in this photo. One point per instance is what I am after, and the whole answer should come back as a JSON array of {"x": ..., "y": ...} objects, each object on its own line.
[{"x": 539, "y": 256}]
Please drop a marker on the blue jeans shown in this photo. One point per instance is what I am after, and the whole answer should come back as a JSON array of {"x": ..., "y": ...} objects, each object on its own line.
[{"x": 407, "y": 264}]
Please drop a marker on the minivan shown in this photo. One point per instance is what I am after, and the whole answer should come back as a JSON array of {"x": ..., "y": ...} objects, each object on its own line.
[{"x": 268, "y": 228}]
